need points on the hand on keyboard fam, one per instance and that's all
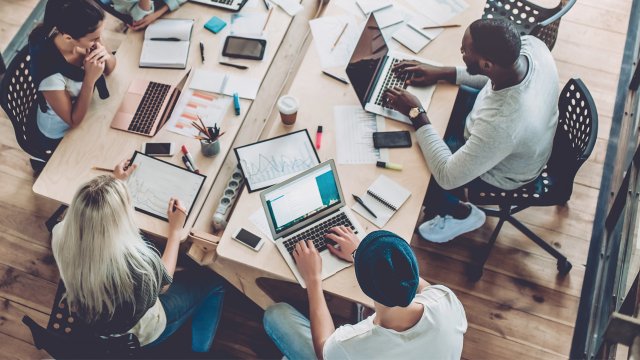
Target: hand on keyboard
(400, 99)
(309, 262)
(345, 242)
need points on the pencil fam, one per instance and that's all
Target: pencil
(206, 132)
(339, 36)
(195, 125)
(102, 169)
(268, 17)
(175, 207)
(440, 26)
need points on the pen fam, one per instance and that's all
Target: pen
(166, 39)
(359, 201)
(202, 51)
(339, 36)
(440, 26)
(267, 21)
(187, 164)
(241, 67)
(344, 81)
(102, 169)
(266, 4)
(318, 137)
(176, 207)
(236, 103)
(389, 165)
(187, 154)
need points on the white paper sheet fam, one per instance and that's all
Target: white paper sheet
(369, 6)
(325, 33)
(388, 16)
(439, 10)
(227, 84)
(247, 23)
(193, 103)
(291, 7)
(354, 136)
(259, 219)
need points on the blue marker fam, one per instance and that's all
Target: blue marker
(236, 102)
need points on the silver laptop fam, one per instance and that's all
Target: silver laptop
(233, 5)
(305, 207)
(369, 71)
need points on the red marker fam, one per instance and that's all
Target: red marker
(190, 158)
(318, 137)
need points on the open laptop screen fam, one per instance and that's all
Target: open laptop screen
(366, 59)
(302, 198)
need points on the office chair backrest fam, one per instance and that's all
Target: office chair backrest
(576, 134)
(529, 18)
(18, 98)
(66, 337)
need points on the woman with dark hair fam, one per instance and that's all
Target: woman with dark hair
(68, 60)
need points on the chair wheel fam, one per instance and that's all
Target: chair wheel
(474, 272)
(564, 266)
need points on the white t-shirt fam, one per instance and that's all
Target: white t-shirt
(438, 334)
(52, 125)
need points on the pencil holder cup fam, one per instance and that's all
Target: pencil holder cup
(210, 148)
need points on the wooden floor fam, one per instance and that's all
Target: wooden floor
(519, 309)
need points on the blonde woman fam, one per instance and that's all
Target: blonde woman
(116, 283)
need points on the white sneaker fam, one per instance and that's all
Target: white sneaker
(442, 229)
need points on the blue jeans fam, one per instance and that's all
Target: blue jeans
(195, 293)
(444, 202)
(290, 331)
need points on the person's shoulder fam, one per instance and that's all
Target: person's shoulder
(435, 294)
(533, 45)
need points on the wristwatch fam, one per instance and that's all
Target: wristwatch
(415, 112)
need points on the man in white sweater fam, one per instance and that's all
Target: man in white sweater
(504, 139)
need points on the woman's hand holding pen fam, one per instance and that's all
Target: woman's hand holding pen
(123, 170)
(177, 214)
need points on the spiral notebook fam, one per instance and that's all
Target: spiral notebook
(384, 197)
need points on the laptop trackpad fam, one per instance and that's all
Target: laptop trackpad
(130, 103)
(331, 264)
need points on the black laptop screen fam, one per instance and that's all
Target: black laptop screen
(366, 58)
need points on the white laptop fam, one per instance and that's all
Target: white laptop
(233, 5)
(369, 71)
(305, 207)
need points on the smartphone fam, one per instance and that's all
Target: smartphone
(248, 239)
(158, 149)
(244, 48)
(391, 139)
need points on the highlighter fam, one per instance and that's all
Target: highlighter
(236, 103)
(389, 165)
(318, 137)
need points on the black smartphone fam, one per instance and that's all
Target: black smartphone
(244, 48)
(391, 139)
(249, 239)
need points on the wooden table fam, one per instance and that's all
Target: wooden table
(318, 94)
(94, 143)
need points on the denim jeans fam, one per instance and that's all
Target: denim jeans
(290, 331)
(444, 202)
(195, 293)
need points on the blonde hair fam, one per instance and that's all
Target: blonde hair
(99, 249)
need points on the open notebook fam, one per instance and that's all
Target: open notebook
(384, 197)
(166, 44)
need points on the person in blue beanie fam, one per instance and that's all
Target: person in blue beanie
(412, 318)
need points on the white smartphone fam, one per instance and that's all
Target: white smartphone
(158, 149)
(248, 239)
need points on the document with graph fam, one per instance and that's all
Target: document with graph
(274, 160)
(155, 182)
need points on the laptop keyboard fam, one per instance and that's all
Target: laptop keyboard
(149, 108)
(392, 80)
(224, 2)
(317, 233)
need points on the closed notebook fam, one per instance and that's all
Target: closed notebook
(384, 197)
(166, 44)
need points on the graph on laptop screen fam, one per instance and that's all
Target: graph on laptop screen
(303, 198)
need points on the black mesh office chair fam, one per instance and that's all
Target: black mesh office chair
(67, 338)
(18, 96)
(573, 142)
(529, 18)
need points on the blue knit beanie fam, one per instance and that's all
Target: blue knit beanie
(387, 269)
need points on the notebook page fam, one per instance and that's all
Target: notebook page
(169, 28)
(383, 213)
(164, 53)
(389, 191)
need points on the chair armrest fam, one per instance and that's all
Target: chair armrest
(559, 14)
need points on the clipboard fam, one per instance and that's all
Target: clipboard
(271, 161)
(154, 182)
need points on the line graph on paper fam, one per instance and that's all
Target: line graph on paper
(154, 182)
(270, 162)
